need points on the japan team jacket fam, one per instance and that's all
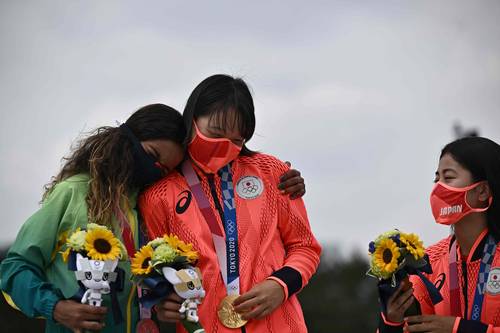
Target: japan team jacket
(274, 237)
(468, 272)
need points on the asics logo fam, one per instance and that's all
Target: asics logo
(184, 202)
(440, 281)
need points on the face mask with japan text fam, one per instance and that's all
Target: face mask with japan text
(449, 204)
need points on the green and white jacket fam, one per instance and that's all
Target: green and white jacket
(34, 277)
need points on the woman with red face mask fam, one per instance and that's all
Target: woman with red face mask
(466, 265)
(256, 247)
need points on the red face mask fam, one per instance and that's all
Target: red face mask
(449, 204)
(212, 154)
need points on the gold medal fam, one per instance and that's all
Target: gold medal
(227, 315)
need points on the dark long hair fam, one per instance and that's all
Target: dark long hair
(106, 155)
(481, 157)
(216, 96)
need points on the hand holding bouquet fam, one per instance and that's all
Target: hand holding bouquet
(394, 256)
(164, 265)
(93, 255)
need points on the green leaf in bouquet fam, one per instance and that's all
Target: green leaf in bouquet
(372, 274)
(393, 281)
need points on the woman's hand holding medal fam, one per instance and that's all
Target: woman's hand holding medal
(260, 301)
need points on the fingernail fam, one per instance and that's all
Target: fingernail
(282, 192)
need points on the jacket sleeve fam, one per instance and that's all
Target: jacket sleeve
(155, 214)
(22, 271)
(385, 326)
(302, 249)
(471, 326)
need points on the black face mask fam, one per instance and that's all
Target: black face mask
(145, 170)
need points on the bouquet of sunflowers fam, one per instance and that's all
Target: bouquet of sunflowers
(93, 255)
(165, 265)
(394, 256)
(393, 251)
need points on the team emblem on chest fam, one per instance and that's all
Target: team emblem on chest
(493, 284)
(249, 187)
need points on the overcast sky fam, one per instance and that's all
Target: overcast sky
(359, 95)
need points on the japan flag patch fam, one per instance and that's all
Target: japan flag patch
(249, 187)
(493, 284)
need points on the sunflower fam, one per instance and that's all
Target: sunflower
(65, 254)
(60, 243)
(188, 252)
(141, 263)
(184, 249)
(173, 241)
(413, 244)
(385, 258)
(101, 244)
(192, 256)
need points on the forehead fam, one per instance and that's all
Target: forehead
(447, 162)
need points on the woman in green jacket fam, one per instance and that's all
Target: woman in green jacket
(98, 183)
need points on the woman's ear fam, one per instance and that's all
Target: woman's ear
(484, 191)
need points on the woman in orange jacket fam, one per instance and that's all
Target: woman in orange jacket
(256, 246)
(466, 265)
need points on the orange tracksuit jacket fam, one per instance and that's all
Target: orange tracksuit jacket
(274, 239)
(468, 271)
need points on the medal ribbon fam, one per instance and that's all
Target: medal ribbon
(231, 229)
(484, 271)
(225, 247)
(454, 285)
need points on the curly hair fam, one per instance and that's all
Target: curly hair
(106, 155)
